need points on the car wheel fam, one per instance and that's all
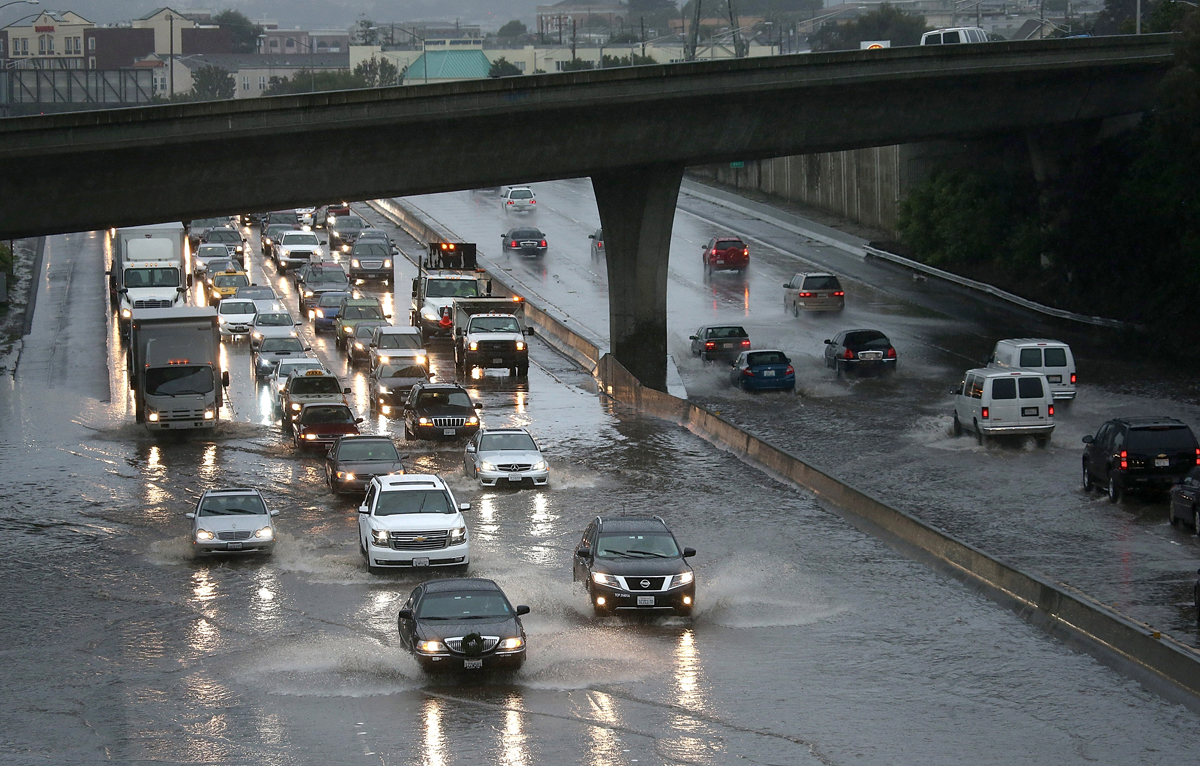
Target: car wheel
(1088, 485)
(523, 370)
(1114, 490)
(408, 436)
(957, 426)
(1196, 520)
(840, 369)
(978, 434)
(1042, 441)
(795, 310)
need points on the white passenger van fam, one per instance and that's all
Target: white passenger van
(954, 35)
(1052, 358)
(1002, 402)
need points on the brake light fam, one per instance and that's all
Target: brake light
(510, 202)
(713, 252)
(848, 355)
(804, 295)
(839, 294)
(1198, 457)
(599, 244)
(1050, 410)
(543, 243)
(516, 244)
(1072, 378)
(985, 413)
(891, 354)
(745, 343)
(1124, 460)
(748, 372)
(746, 252)
(710, 344)
(532, 202)
(790, 370)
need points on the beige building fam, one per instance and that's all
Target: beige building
(53, 40)
(168, 25)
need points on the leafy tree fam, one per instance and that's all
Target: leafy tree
(625, 38)
(377, 73)
(212, 83)
(577, 65)
(514, 28)
(1167, 16)
(244, 31)
(886, 23)
(365, 33)
(637, 60)
(502, 67)
(304, 81)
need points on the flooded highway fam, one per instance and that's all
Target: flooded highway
(811, 643)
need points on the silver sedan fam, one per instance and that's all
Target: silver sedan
(505, 457)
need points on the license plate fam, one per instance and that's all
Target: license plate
(421, 562)
(498, 360)
(1029, 411)
(472, 664)
(720, 263)
(768, 373)
(514, 477)
(1162, 462)
(448, 431)
(1055, 378)
(726, 345)
(645, 600)
(235, 546)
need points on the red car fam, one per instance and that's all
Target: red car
(725, 253)
(323, 423)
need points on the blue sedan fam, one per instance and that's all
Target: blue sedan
(325, 313)
(763, 370)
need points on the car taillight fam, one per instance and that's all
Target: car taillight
(543, 243)
(713, 252)
(745, 343)
(804, 295)
(891, 354)
(985, 413)
(746, 252)
(1198, 457)
(1124, 460)
(790, 370)
(532, 202)
(599, 245)
(748, 372)
(839, 294)
(848, 355)
(516, 244)
(510, 202)
(1072, 379)
(1050, 410)
(710, 344)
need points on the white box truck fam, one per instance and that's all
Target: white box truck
(148, 268)
(175, 367)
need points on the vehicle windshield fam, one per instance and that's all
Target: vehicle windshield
(287, 368)
(494, 324)
(443, 398)
(256, 293)
(222, 264)
(236, 307)
(400, 340)
(368, 449)
(370, 249)
(1161, 439)
(206, 223)
(306, 386)
(348, 222)
(300, 239)
(233, 505)
(152, 277)
(766, 357)
(283, 218)
(326, 277)
(637, 545)
(331, 300)
(326, 414)
(726, 332)
(212, 251)
(216, 235)
(273, 320)
(373, 234)
(871, 339)
(281, 344)
(276, 230)
(364, 330)
(452, 288)
(520, 194)
(230, 280)
(821, 283)
(470, 605)
(496, 442)
(396, 371)
(362, 312)
(179, 379)
(400, 502)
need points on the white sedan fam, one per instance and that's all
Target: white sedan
(505, 456)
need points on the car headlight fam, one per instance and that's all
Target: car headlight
(266, 240)
(457, 535)
(295, 406)
(421, 359)
(520, 345)
(601, 578)
(472, 420)
(310, 437)
(380, 536)
(423, 421)
(320, 314)
(358, 345)
(474, 346)
(511, 644)
(209, 414)
(266, 533)
(258, 335)
(308, 293)
(385, 390)
(387, 410)
(345, 476)
(387, 264)
(238, 248)
(384, 358)
(152, 417)
(431, 647)
(204, 535)
(126, 313)
(539, 465)
(216, 293)
(345, 248)
(486, 466)
(347, 329)
(682, 579)
(430, 315)
(354, 263)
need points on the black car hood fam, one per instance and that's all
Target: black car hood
(442, 629)
(648, 566)
(372, 467)
(445, 411)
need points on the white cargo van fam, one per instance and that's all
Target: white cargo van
(954, 36)
(1052, 358)
(1004, 402)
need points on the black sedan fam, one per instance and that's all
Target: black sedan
(719, 342)
(353, 461)
(390, 384)
(437, 410)
(462, 624)
(524, 241)
(358, 346)
(860, 351)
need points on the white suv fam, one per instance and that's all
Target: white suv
(412, 521)
(519, 199)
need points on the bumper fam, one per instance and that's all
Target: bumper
(769, 384)
(380, 273)
(527, 250)
(181, 425)
(505, 479)
(439, 432)
(868, 365)
(821, 305)
(231, 330)
(497, 359)
(325, 325)
(245, 546)
(1162, 482)
(729, 263)
(1039, 429)
(1062, 394)
(682, 599)
(450, 556)
(453, 663)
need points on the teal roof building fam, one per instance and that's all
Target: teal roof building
(446, 66)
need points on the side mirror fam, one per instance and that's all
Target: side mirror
(464, 506)
(357, 421)
(479, 405)
(405, 614)
(363, 509)
(190, 515)
(689, 552)
(181, 288)
(591, 236)
(346, 390)
(522, 610)
(225, 378)
(387, 316)
(274, 513)
(693, 337)
(306, 348)
(470, 447)
(828, 341)
(1088, 439)
(785, 284)
(583, 552)
(503, 236)
(189, 280)
(955, 392)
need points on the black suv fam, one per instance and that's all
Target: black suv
(316, 279)
(1138, 453)
(634, 564)
(440, 410)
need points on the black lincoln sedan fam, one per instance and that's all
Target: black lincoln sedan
(437, 410)
(860, 351)
(462, 624)
(352, 461)
(633, 564)
(524, 241)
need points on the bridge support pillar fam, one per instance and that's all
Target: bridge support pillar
(637, 210)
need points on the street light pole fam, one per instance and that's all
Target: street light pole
(171, 57)
(19, 2)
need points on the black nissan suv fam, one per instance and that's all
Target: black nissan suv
(1140, 453)
(632, 564)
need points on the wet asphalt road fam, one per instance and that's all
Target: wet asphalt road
(892, 437)
(812, 642)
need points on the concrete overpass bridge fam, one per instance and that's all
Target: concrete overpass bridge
(632, 130)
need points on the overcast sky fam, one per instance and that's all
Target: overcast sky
(308, 13)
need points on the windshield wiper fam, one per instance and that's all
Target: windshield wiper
(484, 617)
(650, 553)
(437, 618)
(622, 554)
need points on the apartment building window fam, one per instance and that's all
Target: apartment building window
(42, 45)
(78, 45)
(25, 46)
(262, 82)
(274, 43)
(91, 62)
(520, 65)
(1, 46)
(91, 43)
(291, 43)
(245, 82)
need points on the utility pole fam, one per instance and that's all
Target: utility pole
(643, 37)
(171, 57)
(572, 38)
(694, 35)
(733, 26)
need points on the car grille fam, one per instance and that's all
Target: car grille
(152, 304)
(181, 414)
(298, 255)
(644, 583)
(371, 264)
(489, 643)
(514, 467)
(449, 422)
(420, 541)
(497, 346)
(233, 535)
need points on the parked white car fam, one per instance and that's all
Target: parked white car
(998, 402)
(412, 521)
(232, 521)
(505, 456)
